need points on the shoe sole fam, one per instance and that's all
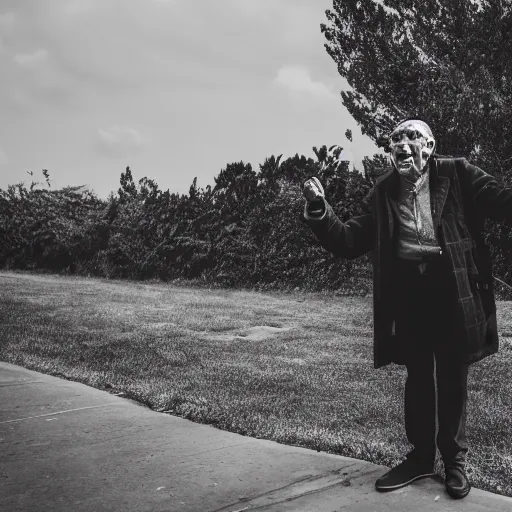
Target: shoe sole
(403, 484)
(455, 495)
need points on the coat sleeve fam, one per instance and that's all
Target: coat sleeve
(349, 239)
(491, 200)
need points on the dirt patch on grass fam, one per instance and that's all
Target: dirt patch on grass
(262, 332)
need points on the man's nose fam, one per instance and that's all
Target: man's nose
(404, 146)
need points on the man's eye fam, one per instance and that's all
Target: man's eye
(412, 134)
(395, 138)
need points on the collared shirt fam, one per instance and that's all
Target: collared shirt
(416, 236)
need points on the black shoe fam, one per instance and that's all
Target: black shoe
(406, 472)
(457, 483)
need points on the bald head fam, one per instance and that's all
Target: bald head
(414, 124)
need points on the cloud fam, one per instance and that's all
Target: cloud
(119, 141)
(298, 80)
(30, 60)
(37, 76)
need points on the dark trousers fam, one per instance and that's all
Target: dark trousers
(425, 323)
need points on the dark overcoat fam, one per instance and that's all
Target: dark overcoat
(462, 196)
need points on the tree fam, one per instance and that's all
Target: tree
(128, 189)
(235, 186)
(53, 229)
(446, 61)
(375, 167)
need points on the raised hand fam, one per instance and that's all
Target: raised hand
(313, 190)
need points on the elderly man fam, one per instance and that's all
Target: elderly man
(433, 296)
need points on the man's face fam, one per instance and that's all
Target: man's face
(411, 147)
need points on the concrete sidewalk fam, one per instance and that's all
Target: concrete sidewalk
(68, 447)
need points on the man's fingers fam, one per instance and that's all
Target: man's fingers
(313, 186)
(318, 184)
(313, 189)
(310, 190)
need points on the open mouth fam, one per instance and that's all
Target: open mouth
(404, 159)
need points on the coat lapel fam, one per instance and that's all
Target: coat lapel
(386, 186)
(439, 182)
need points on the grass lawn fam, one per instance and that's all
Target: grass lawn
(295, 368)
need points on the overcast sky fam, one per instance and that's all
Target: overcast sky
(172, 88)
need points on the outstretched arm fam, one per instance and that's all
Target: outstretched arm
(349, 239)
(490, 198)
